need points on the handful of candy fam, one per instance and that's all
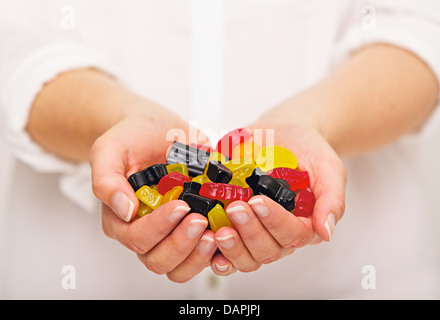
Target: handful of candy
(209, 181)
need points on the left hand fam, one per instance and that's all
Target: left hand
(264, 231)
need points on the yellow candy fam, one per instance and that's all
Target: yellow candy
(143, 209)
(201, 179)
(246, 150)
(218, 218)
(275, 157)
(236, 166)
(217, 156)
(179, 167)
(238, 182)
(149, 196)
(172, 194)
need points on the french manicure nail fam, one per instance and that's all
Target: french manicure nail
(195, 228)
(206, 245)
(259, 207)
(226, 242)
(178, 213)
(330, 225)
(122, 206)
(238, 214)
(221, 268)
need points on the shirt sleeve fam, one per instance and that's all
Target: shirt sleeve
(412, 25)
(31, 55)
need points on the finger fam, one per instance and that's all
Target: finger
(142, 234)
(329, 190)
(222, 266)
(289, 231)
(234, 250)
(260, 243)
(174, 249)
(109, 182)
(198, 260)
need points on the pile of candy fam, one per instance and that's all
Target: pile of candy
(209, 180)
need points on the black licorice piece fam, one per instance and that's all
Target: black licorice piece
(195, 159)
(198, 203)
(190, 187)
(263, 184)
(137, 180)
(217, 172)
(148, 176)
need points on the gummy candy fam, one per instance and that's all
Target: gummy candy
(305, 203)
(171, 180)
(218, 218)
(149, 196)
(272, 157)
(296, 179)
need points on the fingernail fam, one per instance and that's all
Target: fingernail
(122, 206)
(206, 245)
(238, 214)
(259, 207)
(195, 228)
(226, 242)
(222, 268)
(178, 213)
(330, 225)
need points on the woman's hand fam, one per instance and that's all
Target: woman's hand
(167, 241)
(264, 231)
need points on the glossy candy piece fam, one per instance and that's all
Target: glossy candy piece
(144, 209)
(149, 196)
(246, 150)
(201, 179)
(296, 179)
(272, 157)
(198, 203)
(305, 202)
(238, 182)
(171, 180)
(148, 176)
(195, 159)
(190, 187)
(217, 172)
(172, 194)
(262, 183)
(218, 218)
(223, 191)
(217, 156)
(178, 167)
(230, 140)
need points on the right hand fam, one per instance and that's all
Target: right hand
(167, 241)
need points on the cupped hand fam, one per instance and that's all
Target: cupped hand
(168, 240)
(263, 230)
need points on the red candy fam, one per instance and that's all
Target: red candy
(296, 179)
(232, 139)
(223, 191)
(171, 180)
(305, 202)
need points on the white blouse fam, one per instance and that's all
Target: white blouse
(218, 64)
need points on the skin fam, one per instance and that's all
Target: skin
(376, 96)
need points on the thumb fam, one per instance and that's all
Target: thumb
(109, 182)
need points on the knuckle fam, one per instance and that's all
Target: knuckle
(155, 266)
(175, 278)
(250, 268)
(268, 258)
(293, 243)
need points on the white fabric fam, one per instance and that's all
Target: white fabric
(224, 61)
